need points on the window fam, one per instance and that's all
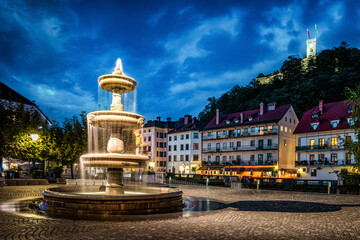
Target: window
(181, 147)
(164, 135)
(209, 146)
(149, 130)
(231, 144)
(252, 143)
(348, 158)
(169, 159)
(299, 141)
(245, 130)
(284, 142)
(334, 157)
(312, 158)
(285, 129)
(196, 135)
(313, 172)
(186, 146)
(149, 139)
(224, 133)
(321, 142)
(285, 119)
(238, 144)
(209, 134)
(290, 120)
(149, 148)
(144, 139)
(281, 128)
(312, 144)
(187, 136)
(209, 158)
(227, 121)
(334, 124)
(161, 135)
(269, 156)
(196, 146)
(170, 139)
(269, 142)
(270, 128)
(334, 141)
(321, 157)
(186, 157)
(236, 120)
(164, 144)
(170, 148)
(157, 134)
(175, 158)
(196, 157)
(250, 119)
(314, 126)
(298, 157)
(315, 115)
(181, 157)
(252, 157)
(175, 138)
(238, 131)
(224, 159)
(351, 121)
(157, 153)
(175, 146)
(140, 132)
(252, 129)
(224, 145)
(182, 137)
(348, 138)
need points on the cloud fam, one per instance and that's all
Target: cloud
(187, 44)
(337, 12)
(154, 20)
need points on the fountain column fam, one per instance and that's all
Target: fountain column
(114, 177)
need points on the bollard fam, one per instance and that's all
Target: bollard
(329, 187)
(207, 183)
(169, 180)
(258, 185)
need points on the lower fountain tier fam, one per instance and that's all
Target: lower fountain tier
(114, 160)
(110, 119)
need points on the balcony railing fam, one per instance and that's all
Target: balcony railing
(242, 148)
(325, 147)
(324, 163)
(241, 162)
(236, 135)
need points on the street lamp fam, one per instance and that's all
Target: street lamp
(34, 137)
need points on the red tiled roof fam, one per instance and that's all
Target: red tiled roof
(267, 117)
(331, 111)
(187, 127)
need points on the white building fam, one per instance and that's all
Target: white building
(184, 147)
(253, 143)
(320, 135)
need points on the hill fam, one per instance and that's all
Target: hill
(304, 83)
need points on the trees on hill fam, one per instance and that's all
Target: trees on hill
(304, 83)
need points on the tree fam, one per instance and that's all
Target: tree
(353, 99)
(73, 142)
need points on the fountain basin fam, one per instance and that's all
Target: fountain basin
(113, 160)
(87, 200)
(117, 83)
(110, 119)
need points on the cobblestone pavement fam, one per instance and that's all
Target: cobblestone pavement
(246, 214)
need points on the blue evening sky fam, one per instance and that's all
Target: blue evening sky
(180, 52)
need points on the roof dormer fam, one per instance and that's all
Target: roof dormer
(314, 125)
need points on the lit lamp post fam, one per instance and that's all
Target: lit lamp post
(34, 138)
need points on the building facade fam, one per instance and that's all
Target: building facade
(184, 147)
(254, 143)
(153, 142)
(320, 136)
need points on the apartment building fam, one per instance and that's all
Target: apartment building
(253, 143)
(320, 136)
(184, 147)
(153, 142)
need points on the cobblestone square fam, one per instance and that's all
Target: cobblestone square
(244, 214)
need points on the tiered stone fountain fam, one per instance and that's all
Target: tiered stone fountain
(117, 198)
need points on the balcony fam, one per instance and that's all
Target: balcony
(326, 147)
(242, 148)
(324, 163)
(236, 135)
(242, 162)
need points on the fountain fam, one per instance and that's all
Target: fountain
(117, 197)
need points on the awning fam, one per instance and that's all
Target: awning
(248, 168)
(205, 168)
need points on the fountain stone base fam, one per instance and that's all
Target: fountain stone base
(114, 184)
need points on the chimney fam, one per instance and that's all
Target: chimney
(158, 119)
(217, 116)
(261, 108)
(193, 120)
(168, 119)
(241, 118)
(187, 119)
(321, 106)
(181, 120)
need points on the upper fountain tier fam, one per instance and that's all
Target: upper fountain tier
(117, 82)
